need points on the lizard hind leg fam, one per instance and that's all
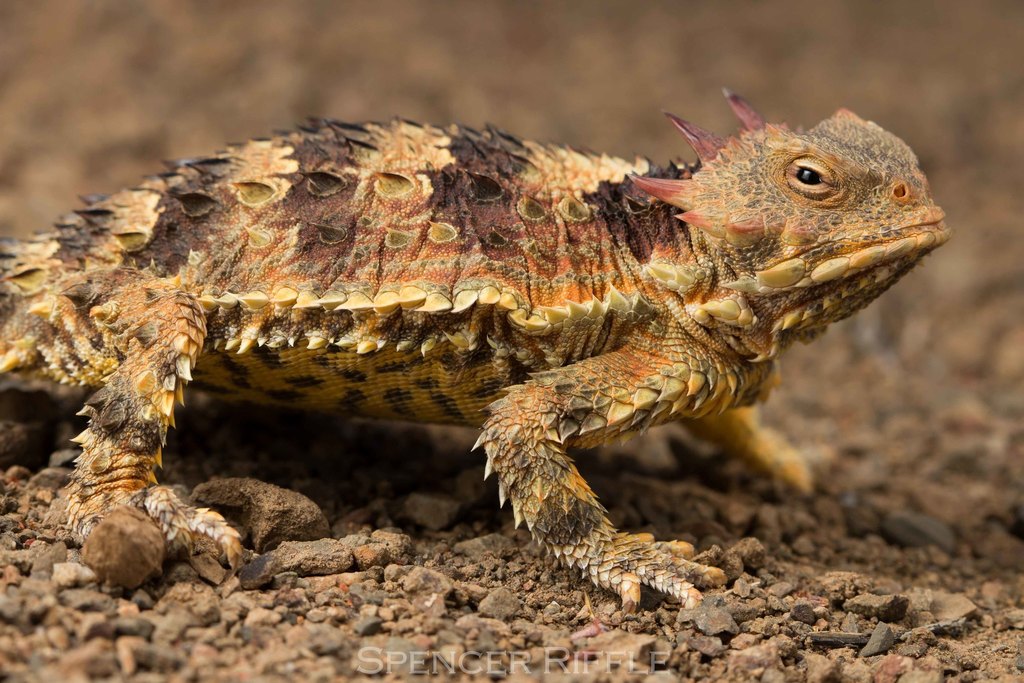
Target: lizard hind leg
(739, 433)
(159, 332)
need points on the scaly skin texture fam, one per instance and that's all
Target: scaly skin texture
(550, 297)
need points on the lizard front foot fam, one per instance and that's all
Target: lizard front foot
(626, 561)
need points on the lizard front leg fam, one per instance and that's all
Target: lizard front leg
(585, 404)
(159, 332)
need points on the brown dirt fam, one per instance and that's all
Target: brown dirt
(917, 401)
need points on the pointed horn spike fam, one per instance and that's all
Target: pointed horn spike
(674, 192)
(744, 111)
(705, 143)
(705, 223)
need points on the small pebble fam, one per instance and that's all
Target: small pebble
(881, 640)
(368, 626)
(316, 558)
(125, 549)
(754, 660)
(751, 552)
(882, 607)
(422, 580)
(712, 620)
(916, 530)
(850, 623)
(384, 548)
(709, 646)
(72, 575)
(803, 611)
(432, 511)
(500, 603)
(951, 606)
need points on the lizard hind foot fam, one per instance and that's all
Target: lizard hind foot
(183, 524)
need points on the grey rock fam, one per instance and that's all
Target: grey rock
(950, 606)
(500, 603)
(916, 530)
(850, 623)
(712, 620)
(432, 511)
(133, 626)
(64, 458)
(368, 626)
(49, 556)
(323, 640)
(52, 478)
(87, 600)
(491, 544)
(781, 589)
(306, 558)
(944, 606)
(881, 640)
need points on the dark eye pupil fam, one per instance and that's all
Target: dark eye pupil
(807, 176)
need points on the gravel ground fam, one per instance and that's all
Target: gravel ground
(378, 547)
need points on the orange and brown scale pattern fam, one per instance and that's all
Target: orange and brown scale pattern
(546, 295)
(390, 241)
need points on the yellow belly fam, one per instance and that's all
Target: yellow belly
(441, 388)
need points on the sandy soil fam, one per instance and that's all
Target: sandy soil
(914, 537)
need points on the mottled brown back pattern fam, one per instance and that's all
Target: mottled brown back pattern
(550, 297)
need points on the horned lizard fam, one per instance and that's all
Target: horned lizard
(553, 298)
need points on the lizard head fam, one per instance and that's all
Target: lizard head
(799, 228)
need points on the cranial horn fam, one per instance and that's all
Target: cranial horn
(747, 115)
(705, 143)
(674, 192)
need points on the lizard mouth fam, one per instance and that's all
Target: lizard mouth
(848, 259)
(842, 284)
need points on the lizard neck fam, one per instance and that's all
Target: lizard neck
(682, 272)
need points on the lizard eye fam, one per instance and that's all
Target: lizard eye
(811, 179)
(808, 176)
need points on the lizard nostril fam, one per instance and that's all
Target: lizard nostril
(900, 192)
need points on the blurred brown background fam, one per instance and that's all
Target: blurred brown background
(93, 95)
